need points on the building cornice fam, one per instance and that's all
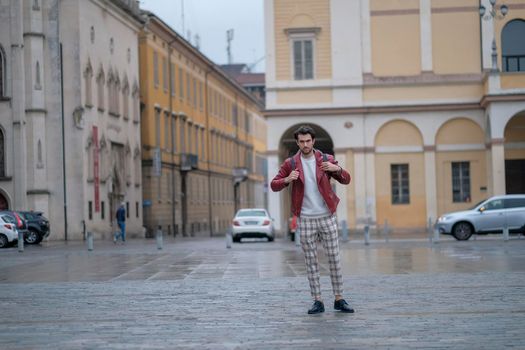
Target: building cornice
(36, 110)
(487, 99)
(370, 109)
(425, 78)
(34, 34)
(38, 191)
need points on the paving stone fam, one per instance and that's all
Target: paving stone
(196, 294)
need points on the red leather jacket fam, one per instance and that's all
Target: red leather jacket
(323, 181)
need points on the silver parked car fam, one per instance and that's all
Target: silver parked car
(252, 223)
(488, 216)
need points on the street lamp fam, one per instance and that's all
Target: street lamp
(493, 14)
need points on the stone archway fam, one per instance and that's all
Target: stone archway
(287, 148)
(117, 190)
(4, 204)
(514, 136)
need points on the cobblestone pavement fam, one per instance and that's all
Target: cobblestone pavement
(196, 294)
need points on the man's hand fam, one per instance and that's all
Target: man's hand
(330, 167)
(294, 175)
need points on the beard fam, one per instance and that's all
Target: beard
(306, 150)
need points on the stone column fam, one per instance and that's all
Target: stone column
(425, 19)
(370, 183)
(498, 167)
(18, 103)
(430, 181)
(341, 190)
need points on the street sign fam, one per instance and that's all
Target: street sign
(157, 164)
(146, 203)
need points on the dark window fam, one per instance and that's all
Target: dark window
(303, 59)
(400, 183)
(90, 210)
(137, 209)
(2, 72)
(156, 69)
(494, 204)
(127, 210)
(515, 203)
(2, 154)
(513, 46)
(102, 210)
(460, 182)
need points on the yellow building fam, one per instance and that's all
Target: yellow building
(408, 95)
(201, 132)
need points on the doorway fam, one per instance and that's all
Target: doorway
(515, 176)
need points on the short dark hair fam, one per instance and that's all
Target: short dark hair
(304, 130)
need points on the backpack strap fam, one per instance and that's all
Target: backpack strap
(292, 160)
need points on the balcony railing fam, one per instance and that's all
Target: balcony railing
(514, 63)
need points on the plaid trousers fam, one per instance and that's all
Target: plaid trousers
(325, 230)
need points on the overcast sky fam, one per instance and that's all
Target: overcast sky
(210, 19)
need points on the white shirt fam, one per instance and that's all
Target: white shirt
(313, 203)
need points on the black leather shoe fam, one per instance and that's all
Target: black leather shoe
(317, 308)
(343, 306)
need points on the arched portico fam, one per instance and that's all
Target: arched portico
(4, 202)
(506, 142)
(279, 203)
(514, 151)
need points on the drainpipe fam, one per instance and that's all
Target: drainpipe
(63, 140)
(208, 144)
(170, 89)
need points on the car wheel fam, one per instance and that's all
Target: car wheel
(270, 239)
(236, 240)
(462, 231)
(32, 237)
(3, 241)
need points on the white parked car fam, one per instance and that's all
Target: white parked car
(489, 216)
(8, 231)
(252, 223)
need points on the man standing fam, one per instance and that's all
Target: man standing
(121, 222)
(315, 203)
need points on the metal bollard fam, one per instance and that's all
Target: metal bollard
(436, 236)
(297, 236)
(90, 240)
(430, 231)
(367, 235)
(158, 237)
(344, 231)
(229, 239)
(505, 233)
(386, 231)
(20, 241)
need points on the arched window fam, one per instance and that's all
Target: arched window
(88, 75)
(116, 96)
(38, 83)
(513, 46)
(125, 98)
(40, 161)
(2, 154)
(2, 72)
(100, 88)
(110, 83)
(136, 102)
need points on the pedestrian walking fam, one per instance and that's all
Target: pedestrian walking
(314, 203)
(121, 222)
